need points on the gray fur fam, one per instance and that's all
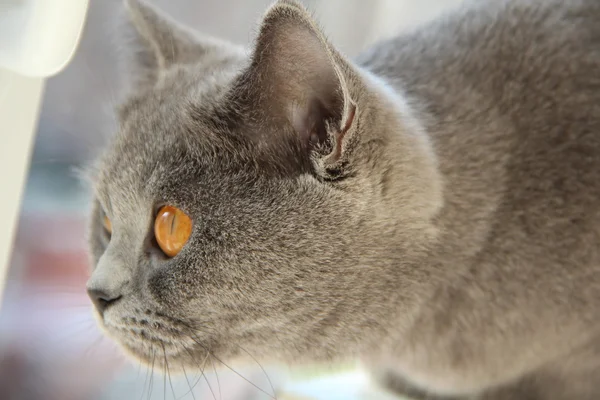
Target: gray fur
(432, 208)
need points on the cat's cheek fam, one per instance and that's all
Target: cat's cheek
(168, 288)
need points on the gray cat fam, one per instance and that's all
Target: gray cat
(432, 208)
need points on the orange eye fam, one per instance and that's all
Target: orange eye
(107, 224)
(172, 229)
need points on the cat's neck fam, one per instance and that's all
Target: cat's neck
(465, 159)
(407, 154)
(452, 196)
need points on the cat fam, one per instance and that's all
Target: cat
(431, 208)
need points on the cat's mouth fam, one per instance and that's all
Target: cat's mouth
(155, 340)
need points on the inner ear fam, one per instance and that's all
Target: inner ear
(297, 75)
(313, 120)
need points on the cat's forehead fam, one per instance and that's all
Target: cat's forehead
(153, 146)
(173, 100)
(165, 140)
(179, 111)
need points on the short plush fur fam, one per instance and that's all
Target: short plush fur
(432, 209)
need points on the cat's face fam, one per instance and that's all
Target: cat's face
(273, 159)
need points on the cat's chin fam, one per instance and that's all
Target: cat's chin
(157, 348)
(163, 356)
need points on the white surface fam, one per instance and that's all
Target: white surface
(354, 385)
(38, 37)
(19, 104)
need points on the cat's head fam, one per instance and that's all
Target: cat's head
(309, 185)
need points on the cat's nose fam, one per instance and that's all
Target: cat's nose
(102, 300)
(108, 281)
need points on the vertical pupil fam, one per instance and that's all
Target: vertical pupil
(172, 229)
(173, 223)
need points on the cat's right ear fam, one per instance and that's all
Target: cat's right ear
(296, 79)
(156, 43)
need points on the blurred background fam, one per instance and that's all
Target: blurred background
(50, 347)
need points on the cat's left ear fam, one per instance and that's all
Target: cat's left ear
(298, 77)
(157, 43)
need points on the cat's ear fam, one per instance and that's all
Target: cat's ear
(297, 76)
(156, 42)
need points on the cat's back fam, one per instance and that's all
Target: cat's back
(529, 64)
(510, 94)
(495, 48)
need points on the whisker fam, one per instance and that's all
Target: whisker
(233, 370)
(201, 370)
(151, 385)
(70, 307)
(188, 382)
(92, 346)
(139, 370)
(75, 327)
(56, 289)
(72, 333)
(168, 372)
(203, 367)
(261, 367)
(145, 381)
(217, 376)
(204, 374)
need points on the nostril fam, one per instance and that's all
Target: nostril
(104, 303)
(101, 299)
